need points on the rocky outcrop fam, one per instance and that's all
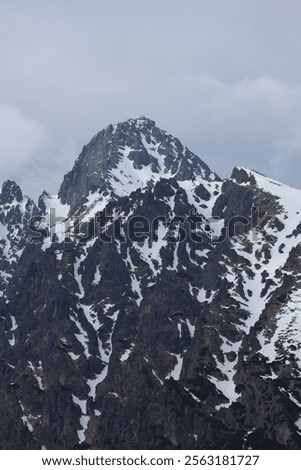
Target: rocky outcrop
(151, 305)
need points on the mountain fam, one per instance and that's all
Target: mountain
(125, 157)
(150, 304)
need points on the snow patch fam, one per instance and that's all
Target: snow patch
(176, 372)
(127, 353)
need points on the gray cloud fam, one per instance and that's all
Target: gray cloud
(222, 76)
(20, 136)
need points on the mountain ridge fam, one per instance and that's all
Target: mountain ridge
(160, 304)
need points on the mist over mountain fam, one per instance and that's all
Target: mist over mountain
(150, 304)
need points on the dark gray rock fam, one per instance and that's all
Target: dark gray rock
(111, 342)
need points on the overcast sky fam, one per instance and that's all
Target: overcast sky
(224, 76)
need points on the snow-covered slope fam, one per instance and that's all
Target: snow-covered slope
(185, 336)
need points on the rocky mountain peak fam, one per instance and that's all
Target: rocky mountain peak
(182, 335)
(127, 156)
(10, 192)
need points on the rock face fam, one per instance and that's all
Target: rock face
(150, 305)
(133, 154)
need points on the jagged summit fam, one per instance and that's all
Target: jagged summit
(127, 156)
(10, 192)
(183, 336)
